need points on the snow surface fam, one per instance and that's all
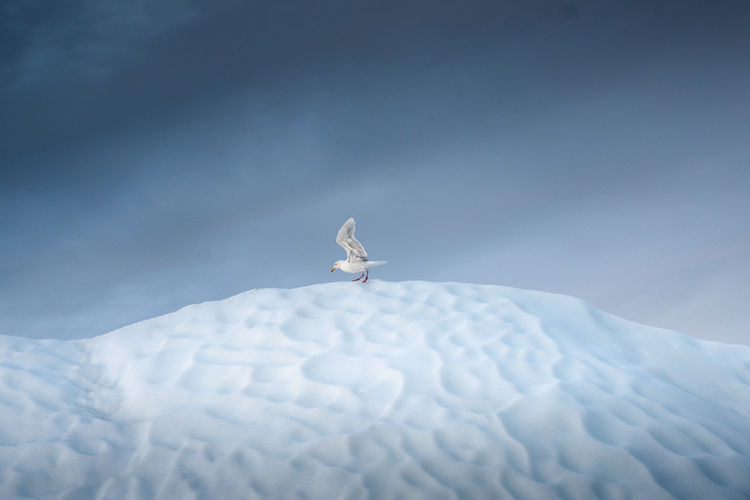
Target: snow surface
(388, 390)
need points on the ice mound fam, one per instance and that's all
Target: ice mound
(389, 390)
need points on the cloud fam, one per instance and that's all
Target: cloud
(59, 42)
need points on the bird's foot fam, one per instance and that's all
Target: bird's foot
(360, 277)
(366, 276)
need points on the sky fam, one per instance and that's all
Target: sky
(154, 155)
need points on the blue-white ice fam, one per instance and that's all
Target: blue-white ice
(387, 390)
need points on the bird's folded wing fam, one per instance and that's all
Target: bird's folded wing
(346, 239)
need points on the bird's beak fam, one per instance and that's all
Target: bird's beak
(333, 269)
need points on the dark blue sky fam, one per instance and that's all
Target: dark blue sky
(156, 154)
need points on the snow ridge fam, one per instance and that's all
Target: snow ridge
(389, 390)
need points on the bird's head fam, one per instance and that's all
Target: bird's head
(337, 265)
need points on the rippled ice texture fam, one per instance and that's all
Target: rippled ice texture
(384, 390)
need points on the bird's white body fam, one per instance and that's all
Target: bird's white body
(356, 256)
(358, 266)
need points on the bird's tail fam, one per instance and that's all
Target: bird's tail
(375, 263)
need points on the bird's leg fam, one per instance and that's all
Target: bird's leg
(360, 277)
(366, 276)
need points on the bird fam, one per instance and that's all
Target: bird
(356, 256)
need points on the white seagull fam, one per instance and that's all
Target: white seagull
(356, 257)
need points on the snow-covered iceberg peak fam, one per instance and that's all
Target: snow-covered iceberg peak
(388, 390)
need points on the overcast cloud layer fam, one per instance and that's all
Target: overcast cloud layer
(154, 156)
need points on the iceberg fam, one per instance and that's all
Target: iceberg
(388, 390)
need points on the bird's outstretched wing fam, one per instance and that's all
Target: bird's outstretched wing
(354, 250)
